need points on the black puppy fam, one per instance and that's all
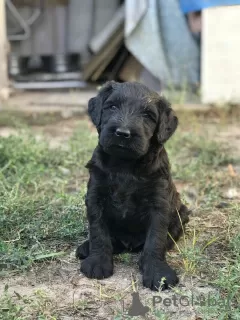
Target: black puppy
(132, 203)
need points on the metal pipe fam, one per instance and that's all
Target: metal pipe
(21, 21)
(25, 25)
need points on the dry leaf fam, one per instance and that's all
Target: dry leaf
(231, 171)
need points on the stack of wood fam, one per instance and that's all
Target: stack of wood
(110, 59)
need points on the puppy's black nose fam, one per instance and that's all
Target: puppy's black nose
(124, 133)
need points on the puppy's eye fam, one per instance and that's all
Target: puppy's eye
(111, 107)
(150, 116)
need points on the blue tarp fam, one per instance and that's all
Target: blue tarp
(195, 5)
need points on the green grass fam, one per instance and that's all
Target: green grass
(203, 163)
(42, 210)
(37, 213)
(18, 119)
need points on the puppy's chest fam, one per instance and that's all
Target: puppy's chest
(126, 197)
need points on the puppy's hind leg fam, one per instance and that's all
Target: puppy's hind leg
(177, 225)
(118, 246)
(82, 251)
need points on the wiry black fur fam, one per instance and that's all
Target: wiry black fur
(132, 203)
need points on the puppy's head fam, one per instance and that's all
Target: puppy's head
(129, 118)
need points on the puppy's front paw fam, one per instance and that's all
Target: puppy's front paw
(97, 267)
(157, 274)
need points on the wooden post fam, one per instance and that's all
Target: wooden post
(3, 52)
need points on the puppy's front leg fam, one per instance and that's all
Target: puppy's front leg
(99, 263)
(156, 271)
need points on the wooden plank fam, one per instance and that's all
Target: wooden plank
(119, 63)
(103, 55)
(3, 53)
(102, 38)
(105, 63)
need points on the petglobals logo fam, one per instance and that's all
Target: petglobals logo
(202, 300)
(137, 308)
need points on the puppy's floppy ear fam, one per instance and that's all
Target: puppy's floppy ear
(168, 121)
(95, 104)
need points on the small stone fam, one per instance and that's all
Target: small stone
(67, 114)
(64, 171)
(222, 205)
(231, 193)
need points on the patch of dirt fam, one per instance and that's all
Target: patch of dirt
(77, 297)
(228, 135)
(5, 132)
(56, 134)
